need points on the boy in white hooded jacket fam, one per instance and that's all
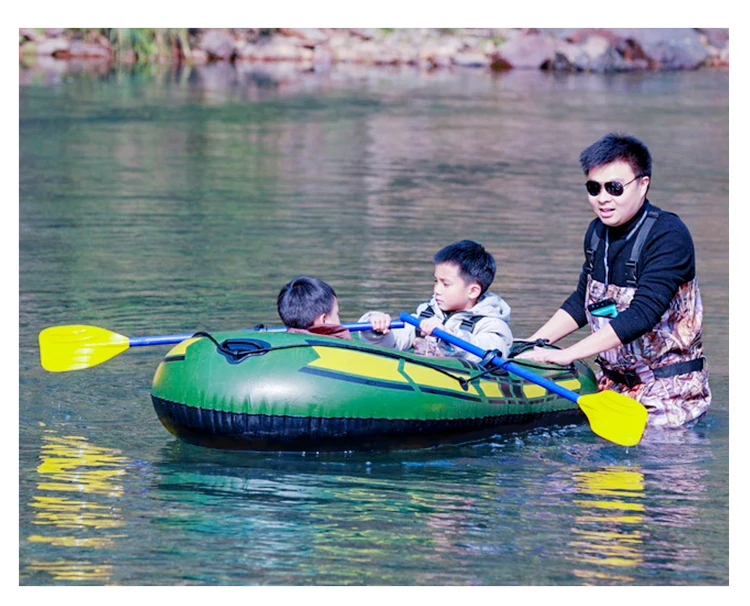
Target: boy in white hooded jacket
(461, 305)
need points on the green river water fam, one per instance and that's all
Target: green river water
(173, 202)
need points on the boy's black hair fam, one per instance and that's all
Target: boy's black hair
(616, 146)
(304, 299)
(474, 263)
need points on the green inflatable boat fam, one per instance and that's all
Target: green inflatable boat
(296, 392)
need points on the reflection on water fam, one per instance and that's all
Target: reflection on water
(73, 570)
(607, 531)
(70, 464)
(629, 519)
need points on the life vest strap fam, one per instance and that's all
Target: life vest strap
(467, 323)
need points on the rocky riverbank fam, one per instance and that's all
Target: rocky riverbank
(308, 49)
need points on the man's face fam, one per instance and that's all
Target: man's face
(617, 210)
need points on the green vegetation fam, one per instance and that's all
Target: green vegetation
(141, 44)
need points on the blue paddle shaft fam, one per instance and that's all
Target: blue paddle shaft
(497, 360)
(169, 339)
(161, 340)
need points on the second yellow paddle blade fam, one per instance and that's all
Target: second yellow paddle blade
(615, 417)
(74, 347)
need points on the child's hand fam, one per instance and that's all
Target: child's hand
(430, 324)
(381, 323)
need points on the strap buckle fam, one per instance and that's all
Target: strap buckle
(629, 378)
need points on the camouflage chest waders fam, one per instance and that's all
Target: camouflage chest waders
(664, 369)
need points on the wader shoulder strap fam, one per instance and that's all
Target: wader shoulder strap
(631, 266)
(592, 248)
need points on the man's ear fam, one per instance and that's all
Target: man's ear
(319, 320)
(474, 290)
(645, 182)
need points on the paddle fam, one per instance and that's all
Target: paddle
(613, 416)
(78, 346)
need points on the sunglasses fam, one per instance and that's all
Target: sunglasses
(614, 188)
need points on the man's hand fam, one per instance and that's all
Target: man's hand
(540, 354)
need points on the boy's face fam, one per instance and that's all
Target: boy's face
(451, 292)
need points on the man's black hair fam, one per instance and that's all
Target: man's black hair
(474, 263)
(304, 299)
(616, 146)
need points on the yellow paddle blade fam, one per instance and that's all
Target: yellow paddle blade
(614, 416)
(64, 348)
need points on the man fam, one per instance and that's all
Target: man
(638, 291)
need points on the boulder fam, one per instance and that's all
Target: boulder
(277, 49)
(79, 48)
(308, 36)
(578, 35)
(52, 46)
(593, 53)
(219, 44)
(531, 51)
(435, 54)
(471, 60)
(717, 37)
(666, 48)
(364, 33)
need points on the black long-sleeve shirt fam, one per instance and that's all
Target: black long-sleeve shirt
(667, 261)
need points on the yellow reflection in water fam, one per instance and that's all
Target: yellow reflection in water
(70, 464)
(606, 532)
(74, 571)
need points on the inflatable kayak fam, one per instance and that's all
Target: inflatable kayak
(283, 391)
